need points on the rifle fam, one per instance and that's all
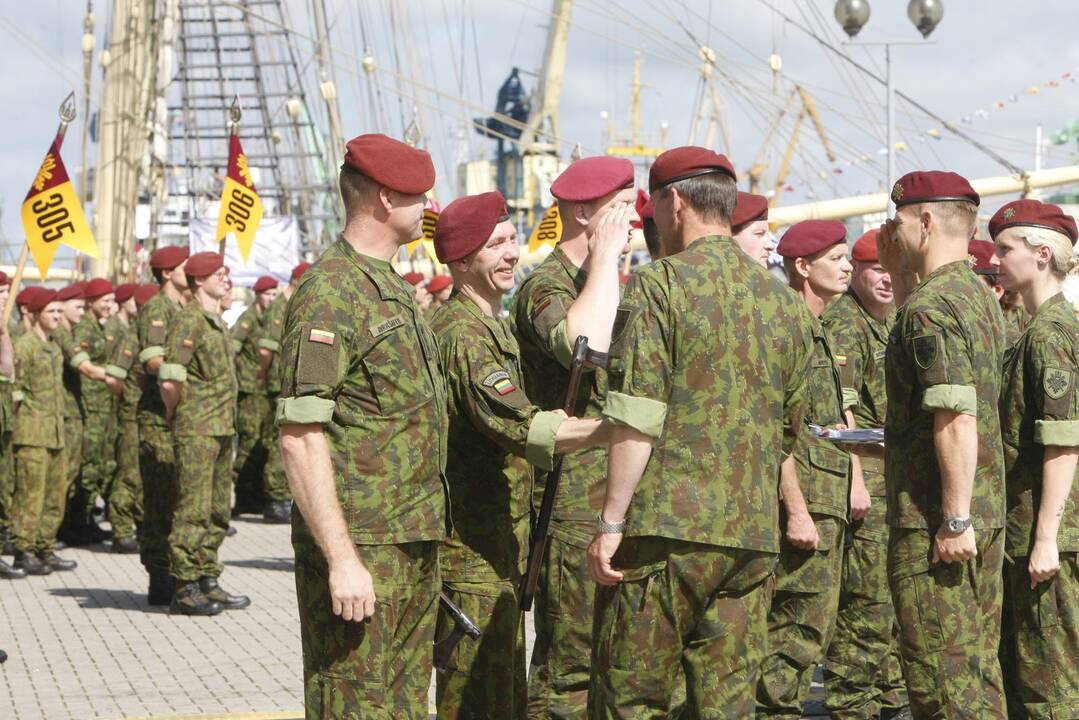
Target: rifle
(542, 529)
(462, 625)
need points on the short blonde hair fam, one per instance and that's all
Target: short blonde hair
(1065, 261)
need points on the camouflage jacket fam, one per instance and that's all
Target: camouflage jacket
(153, 328)
(122, 365)
(494, 433)
(39, 414)
(710, 357)
(359, 358)
(944, 353)
(1016, 319)
(7, 407)
(91, 337)
(1039, 406)
(539, 323)
(269, 338)
(246, 332)
(74, 356)
(199, 355)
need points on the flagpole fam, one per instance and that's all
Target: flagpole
(234, 129)
(67, 116)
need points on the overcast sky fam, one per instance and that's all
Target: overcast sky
(982, 53)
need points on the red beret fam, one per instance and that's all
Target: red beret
(466, 223)
(809, 236)
(932, 186)
(27, 294)
(125, 292)
(391, 163)
(865, 247)
(166, 258)
(982, 251)
(1032, 213)
(144, 293)
(686, 162)
(749, 208)
(4, 279)
(75, 291)
(264, 283)
(299, 270)
(98, 287)
(439, 283)
(40, 299)
(413, 278)
(592, 178)
(204, 263)
(645, 209)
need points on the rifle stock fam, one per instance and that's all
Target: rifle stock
(462, 625)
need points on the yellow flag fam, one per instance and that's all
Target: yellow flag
(547, 232)
(241, 206)
(430, 219)
(52, 214)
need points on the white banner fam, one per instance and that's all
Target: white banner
(276, 250)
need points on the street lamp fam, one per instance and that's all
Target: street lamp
(852, 15)
(925, 15)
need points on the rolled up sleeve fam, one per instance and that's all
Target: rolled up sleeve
(304, 410)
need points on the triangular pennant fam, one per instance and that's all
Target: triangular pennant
(241, 206)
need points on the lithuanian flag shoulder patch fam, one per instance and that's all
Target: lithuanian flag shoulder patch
(325, 337)
(500, 382)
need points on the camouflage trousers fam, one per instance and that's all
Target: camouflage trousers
(200, 519)
(688, 621)
(38, 501)
(72, 463)
(558, 678)
(1039, 649)
(98, 461)
(125, 503)
(275, 480)
(157, 468)
(374, 670)
(253, 413)
(949, 625)
(862, 675)
(485, 678)
(7, 479)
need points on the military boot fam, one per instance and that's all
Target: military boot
(278, 512)
(190, 600)
(29, 562)
(5, 540)
(55, 562)
(218, 594)
(161, 587)
(10, 573)
(125, 546)
(3, 657)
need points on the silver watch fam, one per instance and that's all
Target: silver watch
(957, 525)
(615, 528)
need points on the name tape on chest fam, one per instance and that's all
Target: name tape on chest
(323, 337)
(386, 325)
(500, 382)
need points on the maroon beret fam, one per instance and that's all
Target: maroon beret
(1032, 213)
(264, 283)
(439, 283)
(40, 299)
(75, 291)
(466, 224)
(4, 279)
(166, 258)
(299, 270)
(646, 210)
(749, 208)
(592, 178)
(686, 162)
(204, 263)
(144, 293)
(27, 294)
(413, 278)
(125, 292)
(865, 247)
(809, 236)
(982, 251)
(391, 163)
(98, 287)
(932, 186)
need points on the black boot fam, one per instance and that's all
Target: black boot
(5, 540)
(278, 512)
(231, 531)
(218, 594)
(29, 562)
(55, 562)
(9, 573)
(125, 546)
(3, 657)
(189, 600)
(161, 587)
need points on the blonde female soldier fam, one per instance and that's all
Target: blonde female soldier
(1039, 417)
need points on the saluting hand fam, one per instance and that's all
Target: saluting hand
(802, 531)
(613, 232)
(949, 547)
(352, 591)
(1044, 562)
(888, 249)
(600, 552)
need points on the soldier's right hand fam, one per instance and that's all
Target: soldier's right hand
(802, 531)
(612, 234)
(949, 547)
(352, 591)
(889, 251)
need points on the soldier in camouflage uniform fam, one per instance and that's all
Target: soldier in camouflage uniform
(157, 458)
(38, 438)
(684, 550)
(862, 675)
(253, 408)
(1039, 416)
(494, 433)
(198, 385)
(125, 503)
(814, 487)
(574, 291)
(7, 417)
(363, 424)
(943, 466)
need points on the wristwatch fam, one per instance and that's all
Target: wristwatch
(957, 525)
(615, 528)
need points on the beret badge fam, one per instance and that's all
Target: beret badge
(897, 193)
(1009, 213)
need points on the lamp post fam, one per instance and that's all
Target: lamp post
(925, 15)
